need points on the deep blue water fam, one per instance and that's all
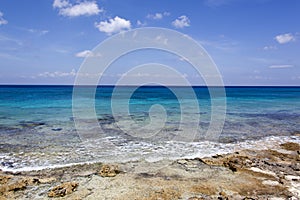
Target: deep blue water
(37, 122)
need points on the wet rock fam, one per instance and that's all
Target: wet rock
(109, 170)
(106, 119)
(63, 189)
(56, 129)
(290, 146)
(31, 124)
(7, 164)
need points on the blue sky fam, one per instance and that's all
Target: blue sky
(252, 42)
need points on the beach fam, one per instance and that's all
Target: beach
(149, 100)
(247, 174)
(51, 148)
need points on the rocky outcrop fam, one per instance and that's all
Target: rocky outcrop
(63, 189)
(248, 174)
(8, 184)
(109, 171)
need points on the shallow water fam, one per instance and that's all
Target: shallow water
(37, 124)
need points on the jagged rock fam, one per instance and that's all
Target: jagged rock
(63, 189)
(290, 146)
(17, 185)
(4, 178)
(109, 170)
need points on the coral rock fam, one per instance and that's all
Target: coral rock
(63, 189)
(109, 170)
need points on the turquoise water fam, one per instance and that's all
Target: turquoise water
(37, 124)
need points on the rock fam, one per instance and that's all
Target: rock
(290, 146)
(271, 183)
(196, 198)
(63, 189)
(292, 178)
(255, 169)
(56, 129)
(223, 196)
(17, 185)
(182, 162)
(47, 180)
(109, 170)
(4, 178)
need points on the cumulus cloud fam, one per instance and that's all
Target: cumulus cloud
(2, 20)
(85, 8)
(280, 66)
(285, 38)
(61, 3)
(114, 25)
(157, 16)
(87, 53)
(57, 74)
(181, 22)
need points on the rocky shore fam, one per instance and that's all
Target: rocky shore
(247, 174)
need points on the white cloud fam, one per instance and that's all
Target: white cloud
(86, 8)
(280, 66)
(87, 53)
(157, 16)
(181, 22)
(114, 25)
(139, 23)
(285, 38)
(2, 20)
(39, 32)
(269, 48)
(61, 3)
(57, 74)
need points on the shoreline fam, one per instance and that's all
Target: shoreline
(215, 148)
(257, 174)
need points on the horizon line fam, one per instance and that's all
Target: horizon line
(150, 85)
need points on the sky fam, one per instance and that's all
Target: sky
(252, 42)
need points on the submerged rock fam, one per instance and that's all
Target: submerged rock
(63, 189)
(31, 124)
(56, 129)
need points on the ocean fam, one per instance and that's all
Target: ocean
(38, 128)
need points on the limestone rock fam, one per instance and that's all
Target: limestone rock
(290, 146)
(63, 189)
(47, 180)
(4, 178)
(17, 185)
(109, 170)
